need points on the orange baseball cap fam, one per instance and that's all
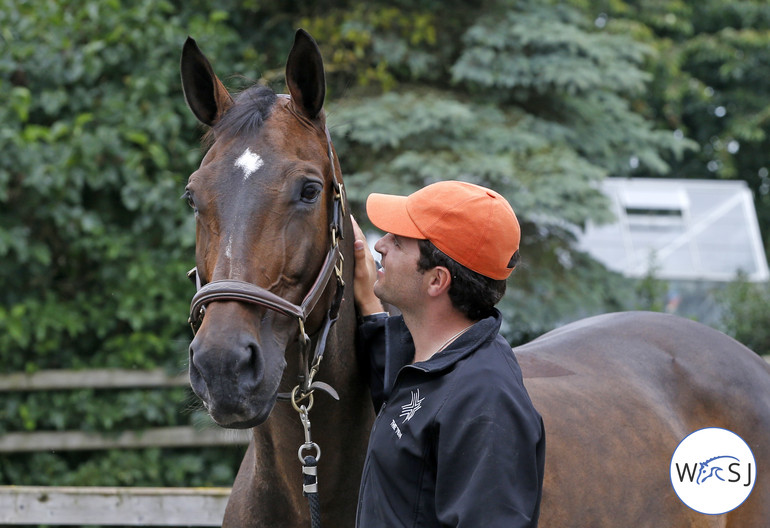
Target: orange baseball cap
(473, 225)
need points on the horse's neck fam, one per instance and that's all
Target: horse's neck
(268, 488)
(331, 421)
(340, 428)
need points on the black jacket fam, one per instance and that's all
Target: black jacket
(457, 441)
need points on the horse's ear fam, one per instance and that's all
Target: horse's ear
(305, 75)
(205, 94)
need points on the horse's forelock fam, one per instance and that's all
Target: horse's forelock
(250, 109)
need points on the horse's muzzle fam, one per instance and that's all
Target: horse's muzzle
(234, 378)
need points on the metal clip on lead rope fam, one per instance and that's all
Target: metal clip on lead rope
(309, 468)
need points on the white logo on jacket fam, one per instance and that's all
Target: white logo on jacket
(394, 426)
(408, 410)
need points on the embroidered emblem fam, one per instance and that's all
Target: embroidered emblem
(408, 410)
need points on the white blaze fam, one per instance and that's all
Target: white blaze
(249, 162)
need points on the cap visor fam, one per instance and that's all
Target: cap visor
(389, 213)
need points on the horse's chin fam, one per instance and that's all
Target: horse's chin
(242, 421)
(244, 407)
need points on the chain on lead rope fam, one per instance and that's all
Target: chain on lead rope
(309, 461)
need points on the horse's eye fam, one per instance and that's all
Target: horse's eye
(311, 191)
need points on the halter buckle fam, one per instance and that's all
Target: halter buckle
(338, 268)
(303, 337)
(339, 194)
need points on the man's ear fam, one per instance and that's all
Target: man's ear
(439, 280)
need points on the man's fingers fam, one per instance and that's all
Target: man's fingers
(365, 274)
(360, 242)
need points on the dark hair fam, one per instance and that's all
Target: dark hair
(250, 109)
(472, 293)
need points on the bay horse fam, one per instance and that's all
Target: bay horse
(617, 392)
(271, 264)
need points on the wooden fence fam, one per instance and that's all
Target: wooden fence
(77, 506)
(110, 506)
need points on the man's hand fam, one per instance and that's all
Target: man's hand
(365, 275)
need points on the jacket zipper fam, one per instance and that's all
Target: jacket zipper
(367, 466)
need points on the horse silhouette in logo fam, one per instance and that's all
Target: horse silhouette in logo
(713, 467)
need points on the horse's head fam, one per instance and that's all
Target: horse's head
(264, 197)
(703, 472)
(713, 467)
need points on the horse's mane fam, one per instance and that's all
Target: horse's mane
(707, 462)
(250, 109)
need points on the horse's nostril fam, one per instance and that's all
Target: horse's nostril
(253, 351)
(227, 370)
(191, 360)
(252, 366)
(197, 381)
(194, 370)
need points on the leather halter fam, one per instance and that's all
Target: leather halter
(246, 292)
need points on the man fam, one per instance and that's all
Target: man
(457, 441)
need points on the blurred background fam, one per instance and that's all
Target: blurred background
(631, 138)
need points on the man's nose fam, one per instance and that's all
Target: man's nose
(380, 245)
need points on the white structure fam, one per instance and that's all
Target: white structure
(691, 230)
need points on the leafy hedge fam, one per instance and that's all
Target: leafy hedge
(94, 244)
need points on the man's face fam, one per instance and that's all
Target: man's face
(399, 282)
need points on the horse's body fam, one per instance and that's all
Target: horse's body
(617, 393)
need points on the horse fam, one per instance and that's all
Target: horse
(617, 392)
(271, 267)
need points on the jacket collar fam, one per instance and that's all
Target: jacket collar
(399, 351)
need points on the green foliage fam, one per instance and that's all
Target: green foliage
(651, 291)
(555, 285)
(88, 228)
(95, 410)
(529, 99)
(374, 45)
(710, 76)
(94, 244)
(540, 50)
(745, 307)
(142, 467)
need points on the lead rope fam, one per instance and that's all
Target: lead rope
(309, 463)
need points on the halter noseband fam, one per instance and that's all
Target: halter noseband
(246, 292)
